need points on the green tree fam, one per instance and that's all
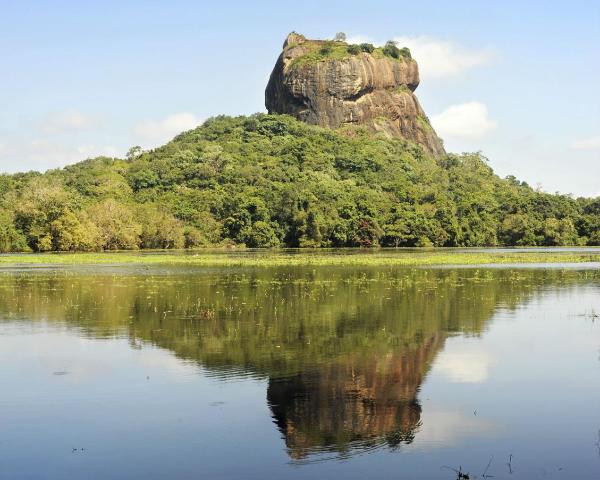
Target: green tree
(38, 205)
(269, 180)
(559, 232)
(367, 47)
(134, 152)
(118, 226)
(160, 229)
(391, 49)
(11, 239)
(68, 232)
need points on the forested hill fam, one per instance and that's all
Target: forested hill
(270, 180)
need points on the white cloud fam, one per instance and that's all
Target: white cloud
(437, 58)
(68, 121)
(466, 120)
(441, 58)
(591, 143)
(42, 154)
(158, 132)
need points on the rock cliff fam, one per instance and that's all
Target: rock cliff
(333, 84)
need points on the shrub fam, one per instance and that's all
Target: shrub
(405, 52)
(194, 238)
(354, 49)
(160, 229)
(326, 49)
(117, 225)
(262, 235)
(11, 240)
(134, 152)
(41, 203)
(391, 49)
(68, 232)
(367, 47)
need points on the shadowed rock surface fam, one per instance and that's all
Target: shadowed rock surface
(353, 403)
(322, 83)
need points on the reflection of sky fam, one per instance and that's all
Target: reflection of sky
(527, 387)
(445, 428)
(82, 359)
(463, 362)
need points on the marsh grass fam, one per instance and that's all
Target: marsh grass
(275, 258)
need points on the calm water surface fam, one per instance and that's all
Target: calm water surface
(189, 373)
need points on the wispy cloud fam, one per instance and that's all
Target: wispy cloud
(69, 121)
(591, 143)
(442, 58)
(465, 120)
(438, 58)
(157, 132)
(42, 154)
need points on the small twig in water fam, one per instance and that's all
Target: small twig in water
(510, 470)
(460, 475)
(592, 316)
(484, 474)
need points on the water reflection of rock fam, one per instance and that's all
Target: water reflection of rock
(344, 351)
(352, 404)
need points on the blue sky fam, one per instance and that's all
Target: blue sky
(518, 81)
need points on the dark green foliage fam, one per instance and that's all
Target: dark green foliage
(354, 49)
(326, 49)
(405, 52)
(269, 180)
(391, 50)
(588, 224)
(367, 47)
(11, 239)
(161, 229)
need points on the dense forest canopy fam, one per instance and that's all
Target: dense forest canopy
(270, 181)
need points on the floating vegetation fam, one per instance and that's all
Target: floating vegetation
(276, 258)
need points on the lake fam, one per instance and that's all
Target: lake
(304, 372)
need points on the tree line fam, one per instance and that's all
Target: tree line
(271, 181)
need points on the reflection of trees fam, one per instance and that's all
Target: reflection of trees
(345, 350)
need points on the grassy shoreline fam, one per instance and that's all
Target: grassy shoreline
(279, 258)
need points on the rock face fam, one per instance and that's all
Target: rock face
(323, 83)
(354, 402)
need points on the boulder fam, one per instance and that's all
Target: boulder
(331, 84)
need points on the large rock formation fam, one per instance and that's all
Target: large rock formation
(353, 403)
(332, 84)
